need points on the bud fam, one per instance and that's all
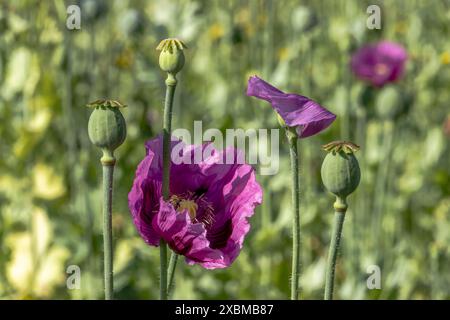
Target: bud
(388, 102)
(107, 128)
(304, 19)
(171, 58)
(340, 169)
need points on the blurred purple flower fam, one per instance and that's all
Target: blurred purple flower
(306, 115)
(205, 218)
(379, 63)
(447, 126)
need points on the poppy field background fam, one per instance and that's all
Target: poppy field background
(50, 186)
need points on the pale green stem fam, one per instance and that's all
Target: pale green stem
(383, 174)
(340, 207)
(108, 163)
(295, 287)
(171, 272)
(171, 83)
(163, 270)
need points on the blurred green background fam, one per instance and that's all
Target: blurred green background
(50, 175)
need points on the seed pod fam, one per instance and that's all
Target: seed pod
(340, 169)
(388, 102)
(107, 128)
(171, 58)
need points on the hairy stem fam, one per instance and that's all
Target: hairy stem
(383, 174)
(340, 208)
(108, 171)
(163, 270)
(171, 272)
(295, 287)
(171, 83)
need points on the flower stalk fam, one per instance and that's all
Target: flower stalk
(108, 172)
(171, 60)
(340, 209)
(171, 83)
(341, 176)
(107, 131)
(171, 272)
(295, 181)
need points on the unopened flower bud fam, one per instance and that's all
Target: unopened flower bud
(171, 58)
(340, 169)
(107, 128)
(388, 102)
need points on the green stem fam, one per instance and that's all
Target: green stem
(340, 207)
(163, 269)
(383, 174)
(171, 83)
(295, 287)
(171, 272)
(108, 171)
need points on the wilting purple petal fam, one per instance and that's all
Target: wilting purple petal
(306, 115)
(379, 63)
(221, 197)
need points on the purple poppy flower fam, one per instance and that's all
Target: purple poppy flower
(306, 115)
(205, 218)
(447, 126)
(379, 63)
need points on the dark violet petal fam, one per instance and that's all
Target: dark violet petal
(184, 237)
(190, 175)
(143, 200)
(298, 111)
(176, 227)
(321, 121)
(260, 89)
(241, 194)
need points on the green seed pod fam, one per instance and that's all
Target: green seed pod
(388, 103)
(340, 169)
(107, 128)
(171, 58)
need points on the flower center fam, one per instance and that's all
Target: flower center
(190, 206)
(200, 210)
(381, 69)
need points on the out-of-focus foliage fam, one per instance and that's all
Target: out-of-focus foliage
(50, 207)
